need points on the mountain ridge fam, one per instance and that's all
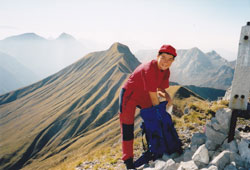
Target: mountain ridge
(63, 106)
(24, 36)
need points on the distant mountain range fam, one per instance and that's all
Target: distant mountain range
(194, 67)
(42, 56)
(13, 74)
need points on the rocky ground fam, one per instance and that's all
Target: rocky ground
(205, 147)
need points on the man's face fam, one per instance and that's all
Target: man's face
(164, 61)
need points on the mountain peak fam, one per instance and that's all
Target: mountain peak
(119, 47)
(195, 52)
(65, 36)
(25, 36)
(195, 49)
(212, 53)
(215, 56)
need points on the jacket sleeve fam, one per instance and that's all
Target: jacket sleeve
(165, 82)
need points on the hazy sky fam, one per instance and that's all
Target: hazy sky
(140, 24)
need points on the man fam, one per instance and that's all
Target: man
(141, 89)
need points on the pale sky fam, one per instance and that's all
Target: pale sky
(140, 24)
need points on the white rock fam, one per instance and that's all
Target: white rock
(213, 168)
(221, 160)
(160, 164)
(190, 165)
(244, 149)
(201, 155)
(171, 165)
(223, 116)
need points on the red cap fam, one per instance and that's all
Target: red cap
(168, 49)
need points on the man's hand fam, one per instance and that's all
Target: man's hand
(164, 94)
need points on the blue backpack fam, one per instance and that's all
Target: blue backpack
(160, 133)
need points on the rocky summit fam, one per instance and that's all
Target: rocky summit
(210, 150)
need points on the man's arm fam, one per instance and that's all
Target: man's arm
(154, 98)
(161, 93)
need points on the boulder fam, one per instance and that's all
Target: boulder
(160, 164)
(210, 145)
(223, 116)
(244, 150)
(221, 160)
(215, 124)
(198, 139)
(201, 155)
(190, 165)
(216, 136)
(171, 165)
(232, 146)
(213, 168)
